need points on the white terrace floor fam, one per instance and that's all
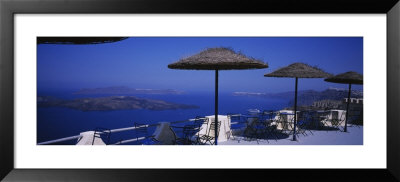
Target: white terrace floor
(353, 136)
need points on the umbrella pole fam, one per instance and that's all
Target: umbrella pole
(347, 108)
(216, 107)
(295, 111)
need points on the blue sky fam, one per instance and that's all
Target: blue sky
(141, 62)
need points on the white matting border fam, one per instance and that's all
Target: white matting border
(370, 155)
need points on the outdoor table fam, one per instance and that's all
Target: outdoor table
(286, 120)
(341, 115)
(224, 128)
(321, 116)
(329, 116)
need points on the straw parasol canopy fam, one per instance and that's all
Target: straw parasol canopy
(78, 40)
(349, 77)
(298, 70)
(218, 59)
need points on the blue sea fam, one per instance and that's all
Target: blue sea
(59, 122)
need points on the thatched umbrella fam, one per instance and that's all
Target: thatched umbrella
(218, 59)
(298, 70)
(78, 40)
(347, 78)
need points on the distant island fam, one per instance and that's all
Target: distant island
(125, 90)
(331, 97)
(110, 103)
(309, 97)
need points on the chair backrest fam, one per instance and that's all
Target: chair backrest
(189, 131)
(264, 115)
(199, 121)
(335, 115)
(211, 130)
(276, 116)
(343, 116)
(321, 114)
(302, 115)
(251, 121)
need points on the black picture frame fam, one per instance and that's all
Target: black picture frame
(8, 8)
